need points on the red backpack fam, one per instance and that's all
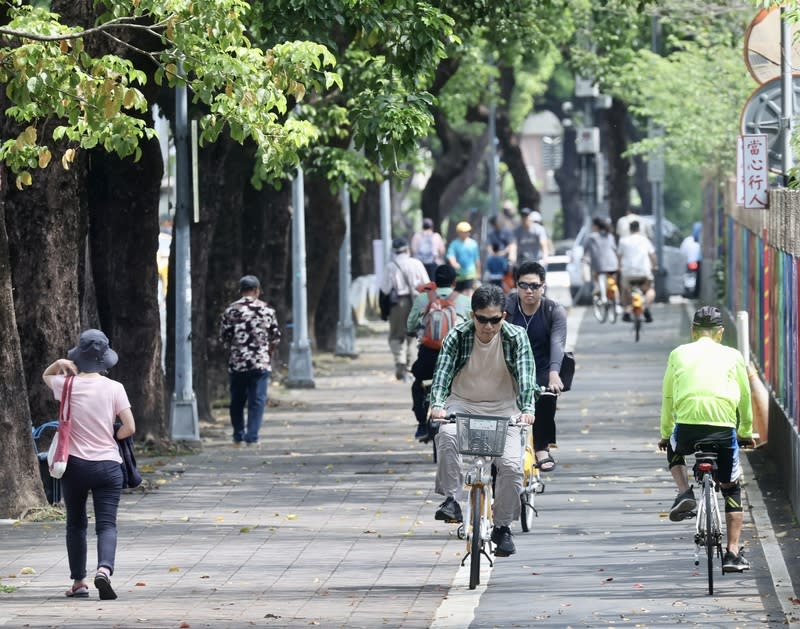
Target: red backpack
(438, 319)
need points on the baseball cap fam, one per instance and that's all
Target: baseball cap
(707, 317)
(526, 211)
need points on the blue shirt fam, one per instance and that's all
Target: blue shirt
(467, 253)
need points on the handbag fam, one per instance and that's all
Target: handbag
(58, 453)
(567, 370)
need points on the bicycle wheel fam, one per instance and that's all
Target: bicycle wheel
(475, 498)
(526, 512)
(599, 309)
(711, 544)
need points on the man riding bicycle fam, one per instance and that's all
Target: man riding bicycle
(706, 401)
(485, 367)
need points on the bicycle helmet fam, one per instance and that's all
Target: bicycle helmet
(707, 317)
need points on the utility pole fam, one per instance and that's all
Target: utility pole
(345, 331)
(655, 174)
(301, 374)
(183, 420)
(787, 104)
(493, 192)
(386, 221)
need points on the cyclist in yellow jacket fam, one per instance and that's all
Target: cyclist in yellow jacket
(706, 399)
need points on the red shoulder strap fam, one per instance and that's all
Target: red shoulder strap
(65, 411)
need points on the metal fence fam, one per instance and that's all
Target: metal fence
(761, 255)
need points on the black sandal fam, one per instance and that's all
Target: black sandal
(103, 583)
(548, 460)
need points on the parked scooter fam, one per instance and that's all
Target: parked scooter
(691, 284)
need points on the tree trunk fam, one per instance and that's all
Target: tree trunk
(365, 228)
(643, 186)
(224, 167)
(268, 245)
(47, 232)
(324, 233)
(527, 194)
(568, 180)
(20, 486)
(454, 171)
(619, 184)
(123, 229)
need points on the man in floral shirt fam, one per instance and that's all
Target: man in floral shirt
(250, 330)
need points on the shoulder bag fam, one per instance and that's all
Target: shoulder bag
(58, 453)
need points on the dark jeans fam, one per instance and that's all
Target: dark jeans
(104, 480)
(250, 388)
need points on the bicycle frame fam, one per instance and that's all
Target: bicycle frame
(708, 525)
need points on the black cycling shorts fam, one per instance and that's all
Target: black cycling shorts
(723, 441)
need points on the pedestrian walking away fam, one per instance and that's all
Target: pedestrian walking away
(94, 462)
(401, 279)
(427, 246)
(485, 367)
(433, 302)
(249, 329)
(545, 323)
(706, 402)
(464, 255)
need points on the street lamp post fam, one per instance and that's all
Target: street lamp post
(183, 419)
(301, 374)
(345, 331)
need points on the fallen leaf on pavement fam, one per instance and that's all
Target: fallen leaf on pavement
(174, 569)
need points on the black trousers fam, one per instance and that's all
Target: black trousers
(422, 369)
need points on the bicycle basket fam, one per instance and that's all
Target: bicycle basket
(481, 435)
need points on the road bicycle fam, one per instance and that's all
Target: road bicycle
(605, 300)
(484, 437)
(708, 526)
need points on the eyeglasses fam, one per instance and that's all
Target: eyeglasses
(529, 286)
(486, 320)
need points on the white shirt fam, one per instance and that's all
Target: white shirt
(634, 255)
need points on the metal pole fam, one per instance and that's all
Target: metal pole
(345, 331)
(301, 375)
(386, 221)
(787, 104)
(657, 190)
(493, 193)
(183, 418)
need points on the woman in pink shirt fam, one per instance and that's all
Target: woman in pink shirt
(94, 459)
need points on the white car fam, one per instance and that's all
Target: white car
(674, 261)
(558, 279)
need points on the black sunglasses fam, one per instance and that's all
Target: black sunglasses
(528, 286)
(485, 320)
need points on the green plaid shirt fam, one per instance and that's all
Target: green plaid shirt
(457, 347)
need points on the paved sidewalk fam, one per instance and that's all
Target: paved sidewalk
(331, 524)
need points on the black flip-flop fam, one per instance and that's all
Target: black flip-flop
(103, 584)
(544, 461)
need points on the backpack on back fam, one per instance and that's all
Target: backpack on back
(425, 252)
(439, 318)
